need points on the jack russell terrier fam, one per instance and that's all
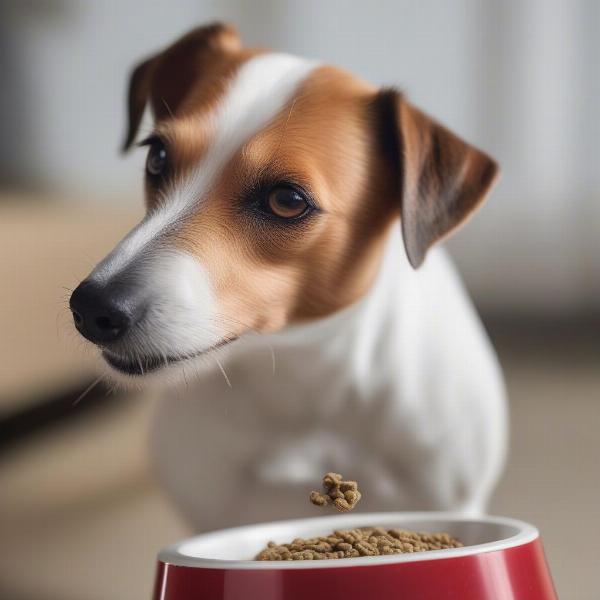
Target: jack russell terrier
(278, 285)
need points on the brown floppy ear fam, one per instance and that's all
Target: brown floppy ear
(165, 78)
(442, 178)
(137, 96)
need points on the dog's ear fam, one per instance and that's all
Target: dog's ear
(137, 96)
(440, 179)
(168, 74)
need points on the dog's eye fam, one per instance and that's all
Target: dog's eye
(156, 162)
(286, 202)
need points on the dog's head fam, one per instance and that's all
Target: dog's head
(271, 184)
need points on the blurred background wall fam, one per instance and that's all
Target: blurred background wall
(519, 78)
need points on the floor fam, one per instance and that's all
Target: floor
(81, 518)
(553, 475)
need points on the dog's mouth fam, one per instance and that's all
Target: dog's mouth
(147, 364)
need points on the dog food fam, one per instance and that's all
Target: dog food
(364, 541)
(344, 495)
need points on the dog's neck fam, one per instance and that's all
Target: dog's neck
(340, 358)
(362, 321)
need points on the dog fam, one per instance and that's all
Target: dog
(284, 291)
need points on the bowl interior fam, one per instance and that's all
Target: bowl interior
(241, 544)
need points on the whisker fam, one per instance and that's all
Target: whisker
(222, 320)
(187, 385)
(285, 126)
(88, 390)
(223, 371)
(272, 357)
(167, 107)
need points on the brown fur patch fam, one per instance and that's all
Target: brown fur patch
(266, 275)
(187, 78)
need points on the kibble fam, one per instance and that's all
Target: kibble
(363, 541)
(343, 495)
(351, 543)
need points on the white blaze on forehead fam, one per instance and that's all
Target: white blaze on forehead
(260, 90)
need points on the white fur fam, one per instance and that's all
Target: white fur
(401, 391)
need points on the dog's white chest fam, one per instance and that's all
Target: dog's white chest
(401, 392)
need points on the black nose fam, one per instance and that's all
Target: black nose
(101, 313)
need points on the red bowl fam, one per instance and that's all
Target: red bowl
(502, 559)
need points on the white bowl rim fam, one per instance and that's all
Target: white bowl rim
(172, 555)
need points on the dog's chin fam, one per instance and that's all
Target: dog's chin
(128, 370)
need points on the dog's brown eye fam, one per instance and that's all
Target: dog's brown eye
(156, 162)
(287, 203)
